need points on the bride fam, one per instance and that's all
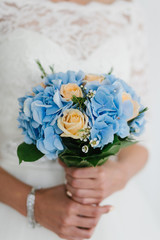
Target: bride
(73, 204)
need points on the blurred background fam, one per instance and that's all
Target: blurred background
(152, 18)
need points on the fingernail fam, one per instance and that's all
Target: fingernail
(69, 193)
(111, 208)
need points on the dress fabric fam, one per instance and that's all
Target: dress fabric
(93, 38)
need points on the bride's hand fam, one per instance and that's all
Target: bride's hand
(67, 218)
(92, 185)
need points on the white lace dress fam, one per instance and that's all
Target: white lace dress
(93, 38)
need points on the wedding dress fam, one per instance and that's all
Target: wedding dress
(92, 38)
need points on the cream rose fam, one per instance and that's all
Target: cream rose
(70, 89)
(93, 77)
(136, 106)
(72, 121)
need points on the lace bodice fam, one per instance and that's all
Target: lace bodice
(81, 29)
(92, 37)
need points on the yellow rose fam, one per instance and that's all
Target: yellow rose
(70, 89)
(72, 121)
(93, 77)
(136, 106)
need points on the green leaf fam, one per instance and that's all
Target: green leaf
(98, 159)
(69, 158)
(73, 145)
(114, 149)
(94, 159)
(144, 110)
(84, 163)
(111, 70)
(72, 156)
(102, 161)
(41, 68)
(79, 101)
(127, 143)
(28, 153)
(52, 69)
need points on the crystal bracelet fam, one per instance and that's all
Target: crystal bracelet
(30, 208)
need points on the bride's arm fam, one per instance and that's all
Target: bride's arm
(132, 159)
(13, 192)
(53, 209)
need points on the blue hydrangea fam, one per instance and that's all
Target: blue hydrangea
(40, 110)
(103, 130)
(57, 79)
(107, 101)
(48, 106)
(30, 128)
(50, 143)
(112, 79)
(137, 125)
(124, 130)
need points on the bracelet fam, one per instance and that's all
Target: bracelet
(30, 208)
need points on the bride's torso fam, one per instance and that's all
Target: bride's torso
(92, 37)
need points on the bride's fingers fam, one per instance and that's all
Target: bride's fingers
(85, 222)
(84, 193)
(92, 211)
(81, 233)
(82, 182)
(69, 238)
(72, 238)
(72, 232)
(86, 200)
(89, 172)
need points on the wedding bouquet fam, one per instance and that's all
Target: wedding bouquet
(80, 118)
